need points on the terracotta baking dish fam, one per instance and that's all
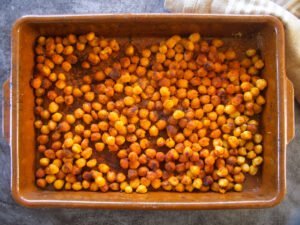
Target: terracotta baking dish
(263, 32)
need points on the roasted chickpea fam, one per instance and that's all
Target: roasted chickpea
(179, 115)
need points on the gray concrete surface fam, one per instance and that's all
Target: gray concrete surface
(11, 213)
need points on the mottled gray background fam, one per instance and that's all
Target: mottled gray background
(11, 213)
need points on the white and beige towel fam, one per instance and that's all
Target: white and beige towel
(287, 10)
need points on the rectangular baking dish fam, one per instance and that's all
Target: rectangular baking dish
(263, 32)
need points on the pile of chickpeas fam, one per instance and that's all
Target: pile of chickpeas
(180, 115)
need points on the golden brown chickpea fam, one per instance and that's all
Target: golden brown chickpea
(248, 96)
(90, 36)
(261, 84)
(129, 101)
(68, 50)
(153, 131)
(66, 66)
(246, 135)
(60, 84)
(110, 140)
(178, 114)
(120, 140)
(160, 57)
(99, 146)
(195, 37)
(129, 50)
(230, 55)
(251, 52)
(41, 183)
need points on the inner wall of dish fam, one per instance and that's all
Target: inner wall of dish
(240, 36)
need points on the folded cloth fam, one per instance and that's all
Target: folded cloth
(291, 22)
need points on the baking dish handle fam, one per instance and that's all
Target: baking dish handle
(290, 117)
(5, 111)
